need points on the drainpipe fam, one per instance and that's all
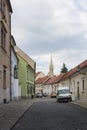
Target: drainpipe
(69, 83)
(10, 58)
(34, 76)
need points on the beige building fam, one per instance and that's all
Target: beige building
(5, 41)
(39, 75)
(76, 80)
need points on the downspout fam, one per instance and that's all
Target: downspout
(69, 83)
(34, 76)
(10, 57)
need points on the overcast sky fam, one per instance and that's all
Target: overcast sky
(42, 28)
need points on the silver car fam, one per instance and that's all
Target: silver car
(39, 95)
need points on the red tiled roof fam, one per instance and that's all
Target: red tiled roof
(51, 80)
(59, 77)
(56, 79)
(36, 74)
(42, 80)
(74, 70)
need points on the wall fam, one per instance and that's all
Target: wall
(26, 83)
(15, 88)
(5, 54)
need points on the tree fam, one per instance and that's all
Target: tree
(64, 69)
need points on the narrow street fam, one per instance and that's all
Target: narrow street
(51, 115)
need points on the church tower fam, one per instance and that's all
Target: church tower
(51, 68)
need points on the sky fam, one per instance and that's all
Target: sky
(42, 28)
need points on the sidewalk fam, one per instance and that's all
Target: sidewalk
(11, 112)
(81, 103)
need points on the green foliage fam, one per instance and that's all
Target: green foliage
(64, 69)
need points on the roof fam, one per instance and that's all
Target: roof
(51, 80)
(59, 77)
(36, 74)
(25, 57)
(42, 80)
(75, 69)
(46, 80)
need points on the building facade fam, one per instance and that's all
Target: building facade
(39, 84)
(5, 42)
(76, 80)
(26, 73)
(15, 84)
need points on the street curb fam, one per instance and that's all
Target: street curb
(81, 105)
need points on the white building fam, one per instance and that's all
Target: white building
(15, 85)
(49, 85)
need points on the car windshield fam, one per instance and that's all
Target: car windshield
(64, 91)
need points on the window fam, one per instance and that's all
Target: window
(3, 37)
(2, 7)
(78, 84)
(4, 79)
(82, 85)
(28, 72)
(0, 4)
(27, 88)
(15, 72)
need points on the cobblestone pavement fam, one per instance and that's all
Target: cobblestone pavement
(53, 116)
(11, 112)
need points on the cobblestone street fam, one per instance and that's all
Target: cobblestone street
(53, 116)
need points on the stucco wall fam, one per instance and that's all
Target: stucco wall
(22, 75)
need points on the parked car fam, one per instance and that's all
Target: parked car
(53, 95)
(45, 94)
(63, 94)
(39, 95)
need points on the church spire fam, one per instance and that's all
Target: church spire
(51, 68)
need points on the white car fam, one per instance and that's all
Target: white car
(63, 94)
